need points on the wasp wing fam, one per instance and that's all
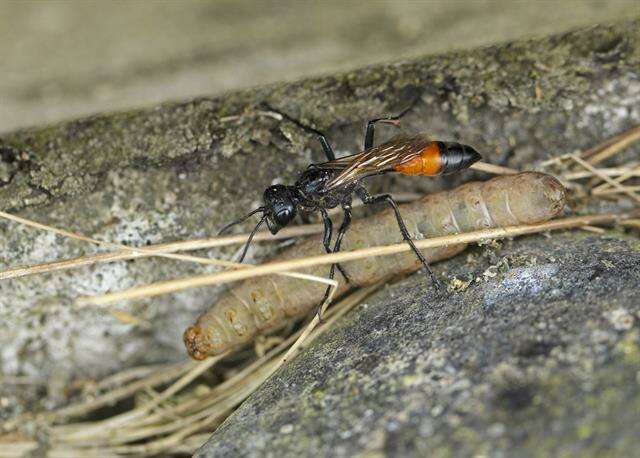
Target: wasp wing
(374, 161)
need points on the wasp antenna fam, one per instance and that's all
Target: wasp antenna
(253, 232)
(239, 220)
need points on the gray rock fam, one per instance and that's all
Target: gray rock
(181, 170)
(118, 57)
(538, 356)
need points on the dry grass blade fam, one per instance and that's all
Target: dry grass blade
(612, 182)
(151, 252)
(161, 250)
(301, 263)
(165, 248)
(17, 448)
(631, 223)
(155, 250)
(609, 191)
(603, 150)
(626, 171)
(297, 346)
(163, 376)
(592, 229)
(129, 375)
(629, 173)
(84, 238)
(494, 169)
(21, 380)
(614, 146)
(102, 427)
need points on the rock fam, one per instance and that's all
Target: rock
(528, 362)
(118, 57)
(182, 170)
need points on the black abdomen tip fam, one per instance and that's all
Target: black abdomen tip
(457, 157)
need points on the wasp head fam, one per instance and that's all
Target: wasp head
(280, 206)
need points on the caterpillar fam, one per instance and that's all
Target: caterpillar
(260, 304)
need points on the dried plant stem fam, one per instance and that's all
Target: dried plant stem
(631, 172)
(154, 250)
(631, 223)
(166, 248)
(617, 144)
(297, 346)
(131, 374)
(603, 150)
(270, 268)
(593, 229)
(626, 171)
(609, 191)
(492, 168)
(21, 380)
(76, 410)
(17, 448)
(139, 412)
(596, 172)
(151, 252)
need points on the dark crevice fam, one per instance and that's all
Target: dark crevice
(9, 180)
(301, 125)
(42, 189)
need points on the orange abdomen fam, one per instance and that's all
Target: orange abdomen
(428, 162)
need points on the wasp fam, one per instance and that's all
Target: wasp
(333, 183)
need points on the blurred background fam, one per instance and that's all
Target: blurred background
(67, 59)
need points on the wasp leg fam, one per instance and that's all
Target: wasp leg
(346, 221)
(343, 229)
(368, 199)
(371, 125)
(326, 147)
(326, 240)
(322, 138)
(328, 230)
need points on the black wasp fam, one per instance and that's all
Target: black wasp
(332, 183)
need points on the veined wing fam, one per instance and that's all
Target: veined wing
(379, 159)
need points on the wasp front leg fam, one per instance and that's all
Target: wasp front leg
(326, 240)
(346, 221)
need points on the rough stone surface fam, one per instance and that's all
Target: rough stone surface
(62, 60)
(180, 170)
(538, 356)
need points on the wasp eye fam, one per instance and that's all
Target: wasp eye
(283, 217)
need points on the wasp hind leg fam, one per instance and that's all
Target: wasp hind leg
(386, 198)
(371, 125)
(343, 229)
